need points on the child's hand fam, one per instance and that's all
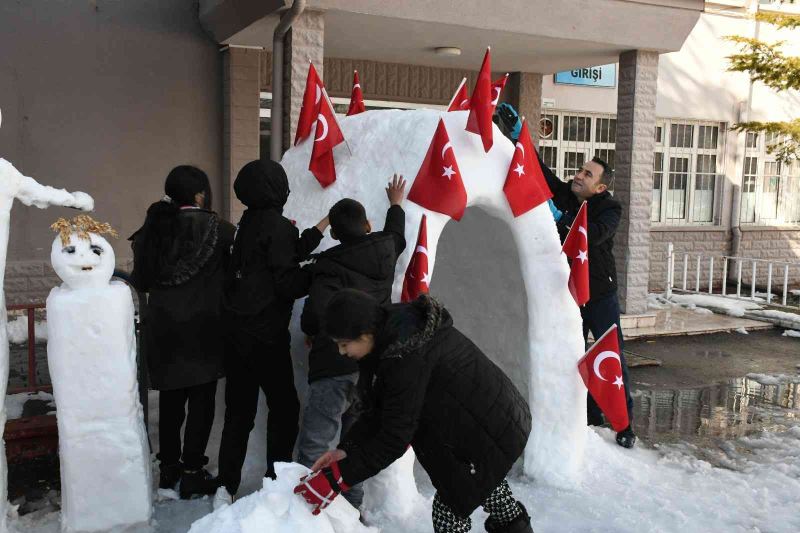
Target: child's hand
(395, 190)
(327, 458)
(323, 224)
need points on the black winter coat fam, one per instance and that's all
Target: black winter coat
(182, 328)
(367, 264)
(428, 385)
(603, 214)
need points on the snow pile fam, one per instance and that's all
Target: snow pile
(15, 403)
(18, 330)
(742, 331)
(719, 304)
(781, 318)
(385, 142)
(276, 509)
(791, 333)
(772, 379)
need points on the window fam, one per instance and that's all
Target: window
(577, 128)
(549, 156)
(692, 154)
(573, 161)
(605, 130)
(580, 138)
(770, 189)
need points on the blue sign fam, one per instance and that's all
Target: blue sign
(602, 76)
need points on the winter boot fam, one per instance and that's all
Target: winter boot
(626, 438)
(197, 483)
(222, 498)
(521, 524)
(169, 475)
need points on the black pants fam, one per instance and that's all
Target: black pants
(171, 413)
(599, 315)
(252, 365)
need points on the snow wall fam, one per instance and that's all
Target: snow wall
(385, 142)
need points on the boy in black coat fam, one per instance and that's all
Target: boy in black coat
(264, 280)
(364, 261)
(428, 386)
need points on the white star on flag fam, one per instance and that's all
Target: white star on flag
(618, 382)
(582, 256)
(520, 170)
(426, 279)
(448, 171)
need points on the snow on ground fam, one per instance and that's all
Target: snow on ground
(791, 333)
(18, 330)
(782, 318)
(16, 402)
(720, 304)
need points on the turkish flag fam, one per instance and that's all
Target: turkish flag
(601, 371)
(576, 246)
(327, 136)
(311, 99)
(525, 185)
(438, 184)
(481, 106)
(356, 98)
(497, 88)
(460, 100)
(417, 278)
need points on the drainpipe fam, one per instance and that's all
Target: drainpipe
(276, 115)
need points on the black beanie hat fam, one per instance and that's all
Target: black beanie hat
(351, 313)
(262, 184)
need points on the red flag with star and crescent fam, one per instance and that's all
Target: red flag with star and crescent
(356, 97)
(460, 100)
(327, 136)
(480, 105)
(417, 278)
(576, 246)
(497, 88)
(310, 108)
(438, 184)
(525, 185)
(601, 371)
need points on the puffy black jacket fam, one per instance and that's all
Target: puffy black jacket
(264, 276)
(366, 263)
(428, 385)
(184, 276)
(603, 214)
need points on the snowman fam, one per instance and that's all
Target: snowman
(105, 464)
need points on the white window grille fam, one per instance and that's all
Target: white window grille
(770, 189)
(568, 139)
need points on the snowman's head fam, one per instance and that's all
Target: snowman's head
(81, 257)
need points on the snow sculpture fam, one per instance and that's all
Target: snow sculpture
(105, 459)
(13, 184)
(384, 142)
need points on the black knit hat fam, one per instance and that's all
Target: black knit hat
(352, 313)
(262, 184)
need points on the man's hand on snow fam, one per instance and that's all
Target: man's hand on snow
(327, 458)
(321, 487)
(395, 190)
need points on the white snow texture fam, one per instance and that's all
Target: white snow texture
(385, 142)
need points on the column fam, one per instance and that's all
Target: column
(524, 91)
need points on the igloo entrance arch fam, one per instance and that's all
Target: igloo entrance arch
(391, 141)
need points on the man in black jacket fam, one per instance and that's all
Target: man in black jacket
(364, 261)
(264, 280)
(428, 386)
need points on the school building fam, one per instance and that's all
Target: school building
(107, 96)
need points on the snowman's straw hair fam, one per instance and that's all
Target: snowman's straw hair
(82, 225)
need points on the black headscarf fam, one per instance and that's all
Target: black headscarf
(262, 185)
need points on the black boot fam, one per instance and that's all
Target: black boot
(197, 483)
(626, 438)
(170, 474)
(521, 524)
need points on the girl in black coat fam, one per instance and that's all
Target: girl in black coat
(428, 386)
(179, 258)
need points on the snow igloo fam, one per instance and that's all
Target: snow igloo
(503, 278)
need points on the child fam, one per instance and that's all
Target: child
(428, 386)
(264, 280)
(364, 261)
(179, 258)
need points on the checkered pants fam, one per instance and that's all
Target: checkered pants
(500, 504)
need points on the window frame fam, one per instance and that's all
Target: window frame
(788, 187)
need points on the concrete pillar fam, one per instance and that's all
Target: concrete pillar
(524, 91)
(304, 43)
(636, 120)
(240, 122)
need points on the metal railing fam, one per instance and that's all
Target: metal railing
(716, 275)
(33, 386)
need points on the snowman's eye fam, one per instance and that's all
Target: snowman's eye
(96, 249)
(69, 249)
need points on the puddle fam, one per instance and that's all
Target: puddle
(705, 415)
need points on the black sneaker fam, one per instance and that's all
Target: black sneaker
(169, 476)
(197, 483)
(520, 524)
(626, 438)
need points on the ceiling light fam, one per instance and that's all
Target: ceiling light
(448, 50)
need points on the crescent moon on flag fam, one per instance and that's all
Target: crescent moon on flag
(319, 94)
(602, 357)
(583, 230)
(464, 102)
(322, 120)
(522, 148)
(422, 249)
(497, 96)
(445, 148)
(357, 85)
